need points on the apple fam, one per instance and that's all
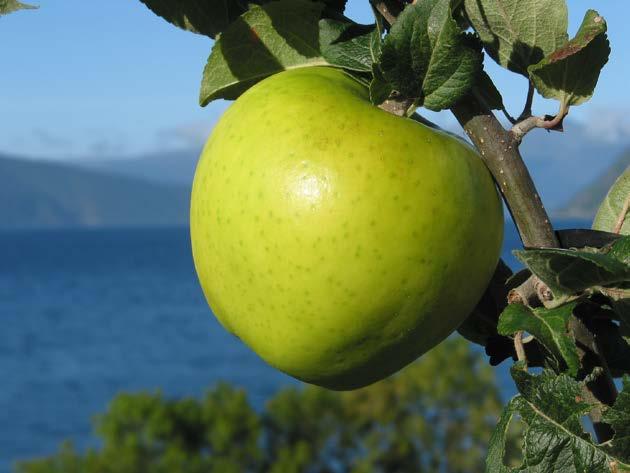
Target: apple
(339, 241)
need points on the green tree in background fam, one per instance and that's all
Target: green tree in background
(435, 416)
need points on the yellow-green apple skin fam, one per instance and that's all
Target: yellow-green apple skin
(338, 241)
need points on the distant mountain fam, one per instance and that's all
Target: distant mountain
(37, 194)
(154, 188)
(560, 163)
(586, 202)
(170, 167)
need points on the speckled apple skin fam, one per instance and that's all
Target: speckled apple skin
(338, 241)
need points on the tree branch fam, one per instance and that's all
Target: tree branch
(524, 126)
(518, 347)
(527, 109)
(390, 9)
(500, 152)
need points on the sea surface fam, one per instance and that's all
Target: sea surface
(86, 314)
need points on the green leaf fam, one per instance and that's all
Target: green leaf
(277, 36)
(488, 92)
(618, 416)
(614, 348)
(459, 13)
(548, 326)
(620, 250)
(265, 40)
(345, 44)
(551, 408)
(519, 33)
(498, 440)
(481, 324)
(427, 58)
(380, 89)
(207, 17)
(570, 73)
(612, 206)
(569, 272)
(376, 43)
(334, 6)
(9, 6)
(211, 17)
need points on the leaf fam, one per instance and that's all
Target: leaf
(618, 416)
(481, 324)
(265, 40)
(345, 44)
(10, 6)
(459, 13)
(498, 440)
(334, 6)
(612, 206)
(551, 408)
(380, 89)
(277, 36)
(488, 92)
(207, 17)
(620, 250)
(569, 272)
(211, 17)
(376, 42)
(427, 58)
(519, 33)
(570, 73)
(614, 347)
(548, 326)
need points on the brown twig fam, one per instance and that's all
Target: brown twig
(390, 9)
(527, 109)
(396, 106)
(520, 349)
(525, 293)
(525, 125)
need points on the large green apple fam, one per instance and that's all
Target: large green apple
(339, 241)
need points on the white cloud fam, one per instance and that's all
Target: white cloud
(189, 135)
(52, 141)
(608, 125)
(110, 148)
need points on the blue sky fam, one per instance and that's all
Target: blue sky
(81, 81)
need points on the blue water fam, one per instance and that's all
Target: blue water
(89, 313)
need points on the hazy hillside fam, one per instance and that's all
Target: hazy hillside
(153, 189)
(561, 163)
(586, 202)
(171, 167)
(43, 194)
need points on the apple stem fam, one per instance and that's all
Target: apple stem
(398, 107)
